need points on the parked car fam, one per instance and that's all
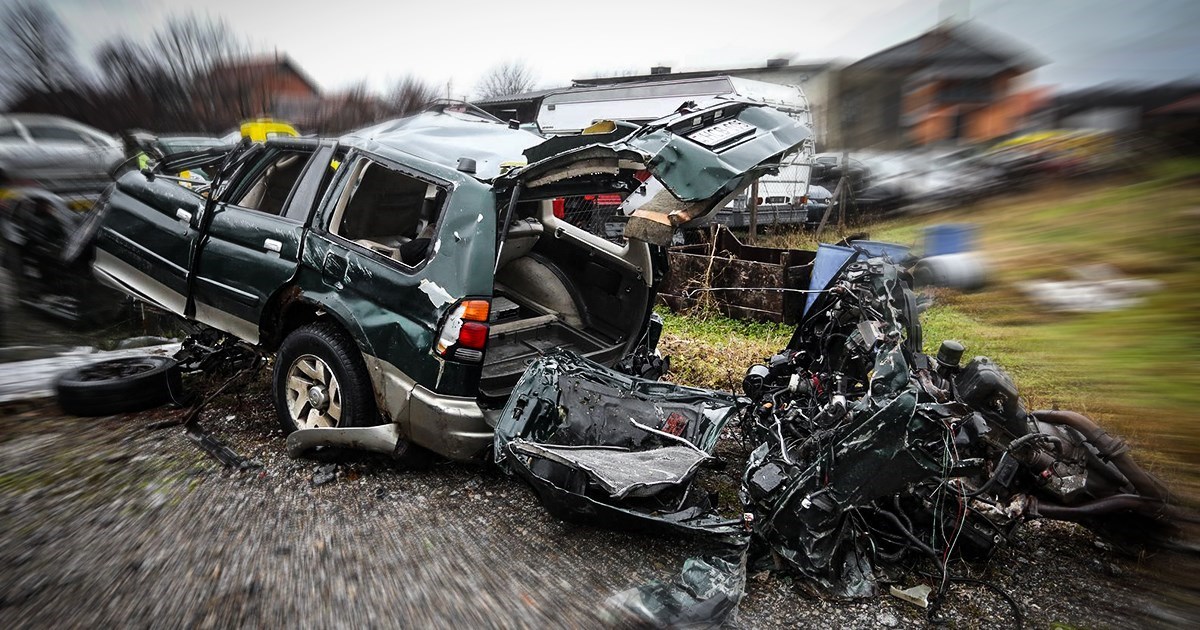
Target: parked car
(51, 169)
(406, 274)
(56, 154)
(34, 228)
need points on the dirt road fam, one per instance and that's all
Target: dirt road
(105, 523)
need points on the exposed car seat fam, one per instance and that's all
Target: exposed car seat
(270, 192)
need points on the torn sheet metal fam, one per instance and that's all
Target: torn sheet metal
(870, 453)
(595, 443)
(704, 595)
(703, 157)
(602, 447)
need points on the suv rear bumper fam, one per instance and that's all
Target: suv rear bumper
(451, 426)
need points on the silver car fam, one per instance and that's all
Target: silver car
(56, 153)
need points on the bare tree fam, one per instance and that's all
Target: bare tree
(35, 51)
(352, 108)
(205, 83)
(186, 78)
(131, 80)
(410, 95)
(510, 77)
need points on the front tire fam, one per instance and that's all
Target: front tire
(321, 380)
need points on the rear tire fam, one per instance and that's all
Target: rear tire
(323, 345)
(321, 380)
(119, 386)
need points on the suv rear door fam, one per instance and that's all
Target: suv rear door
(252, 237)
(703, 158)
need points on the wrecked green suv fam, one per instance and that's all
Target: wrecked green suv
(405, 275)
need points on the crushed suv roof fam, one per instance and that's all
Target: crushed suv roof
(445, 137)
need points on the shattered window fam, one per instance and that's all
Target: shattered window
(388, 212)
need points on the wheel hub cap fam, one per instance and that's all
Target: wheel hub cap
(314, 399)
(318, 397)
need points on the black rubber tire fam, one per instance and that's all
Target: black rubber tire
(119, 386)
(330, 344)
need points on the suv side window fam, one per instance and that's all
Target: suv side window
(271, 182)
(388, 212)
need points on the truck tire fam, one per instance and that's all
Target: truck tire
(119, 386)
(321, 380)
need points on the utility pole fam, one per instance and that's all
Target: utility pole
(845, 190)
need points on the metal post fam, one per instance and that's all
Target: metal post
(753, 212)
(845, 191)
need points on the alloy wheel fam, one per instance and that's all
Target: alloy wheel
(313, 396)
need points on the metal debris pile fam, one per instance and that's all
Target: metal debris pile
(868, 456)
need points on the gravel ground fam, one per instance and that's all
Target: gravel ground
(107, 523)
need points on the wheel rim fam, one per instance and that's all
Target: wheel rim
(313, 396)
(116, 369)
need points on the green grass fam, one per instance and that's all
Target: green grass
(1136, 370)
(710, 350)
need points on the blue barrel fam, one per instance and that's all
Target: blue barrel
(949, 238)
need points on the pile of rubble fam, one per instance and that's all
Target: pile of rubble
(869, 457)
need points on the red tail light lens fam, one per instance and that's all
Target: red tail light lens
(560, 208)
(473, 335)
(465, 333)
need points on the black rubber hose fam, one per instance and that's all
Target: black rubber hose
(1110, 448)
(1100, 507)
(895, 520)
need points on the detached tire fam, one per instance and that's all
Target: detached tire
(119, 386)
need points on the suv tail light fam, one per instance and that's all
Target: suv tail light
(465, 333)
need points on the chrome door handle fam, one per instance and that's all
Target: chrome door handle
(272, 245)
(183, 215)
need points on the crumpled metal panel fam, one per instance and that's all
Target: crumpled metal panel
(698, 179)
(704, 595)
(444, 137)
(622, 472)
(693, 173)
(564, 399)
(602, 447)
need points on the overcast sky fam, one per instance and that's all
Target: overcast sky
(339, 42)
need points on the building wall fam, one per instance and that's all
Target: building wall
(933, 117)
(868, 111)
